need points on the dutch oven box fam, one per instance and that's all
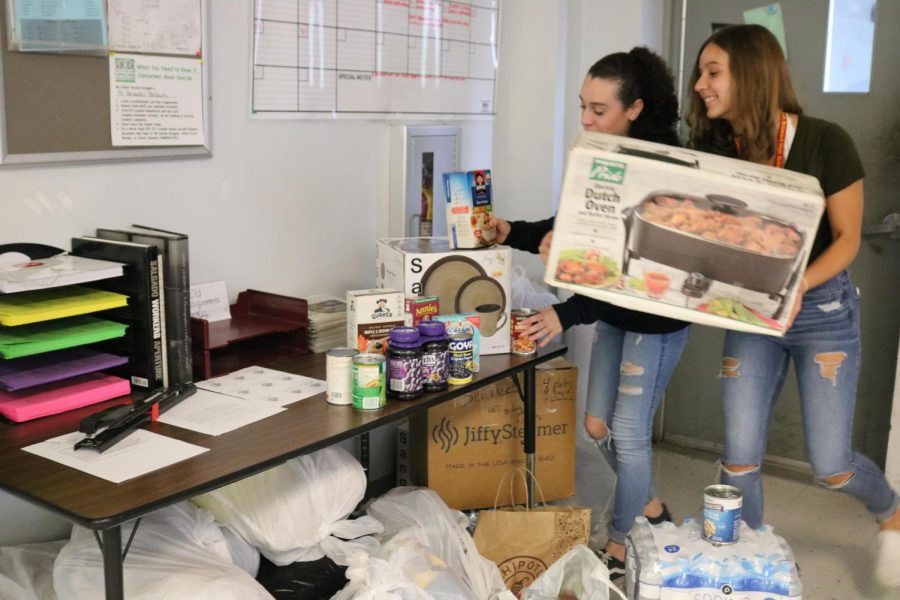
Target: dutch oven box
(683, 234)
(470, 442)
(464, 281)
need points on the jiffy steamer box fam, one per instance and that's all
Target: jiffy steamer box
(464, 281)
(371, 314)
(472, 441)
(683, 234)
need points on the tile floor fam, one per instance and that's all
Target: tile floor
(833, 537)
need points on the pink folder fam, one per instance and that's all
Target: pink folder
(53, 398)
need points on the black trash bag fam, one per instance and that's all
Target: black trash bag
(312, 580)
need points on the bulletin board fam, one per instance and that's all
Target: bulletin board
(55, 107)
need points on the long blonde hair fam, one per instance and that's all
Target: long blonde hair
(761, 89)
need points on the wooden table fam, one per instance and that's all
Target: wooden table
(304, 427)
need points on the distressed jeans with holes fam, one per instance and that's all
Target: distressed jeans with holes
(824, 345)
(629, 373)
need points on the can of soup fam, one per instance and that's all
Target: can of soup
(368, 381)
(339, 375)
(519, 342)
(722, 514)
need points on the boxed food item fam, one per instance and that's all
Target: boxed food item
(420, 308)
(674, 562)
(464, 281)
(371, 314)
(469, 208)
(683, 234)
(470, 442)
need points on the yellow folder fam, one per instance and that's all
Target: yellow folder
(55, 303)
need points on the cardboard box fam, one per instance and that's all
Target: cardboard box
(476, 281)
(469, 208)
(683, 234)
(371, 314)
(463, 447)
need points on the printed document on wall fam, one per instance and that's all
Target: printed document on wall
(374, 58)
(155, 26)
(57, 26)
(155, 100)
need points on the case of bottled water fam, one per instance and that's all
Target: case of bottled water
(669, 562)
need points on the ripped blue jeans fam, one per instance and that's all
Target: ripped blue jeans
(824, 345)
(629, 373)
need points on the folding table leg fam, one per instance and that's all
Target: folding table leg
(112, 563)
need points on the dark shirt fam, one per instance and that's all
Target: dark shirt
(581, 310)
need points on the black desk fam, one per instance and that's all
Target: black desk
(304, 427)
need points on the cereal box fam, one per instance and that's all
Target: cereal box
(371, 314)
(469, 209)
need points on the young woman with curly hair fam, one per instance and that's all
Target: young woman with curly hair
(634, 353)
(744, 106)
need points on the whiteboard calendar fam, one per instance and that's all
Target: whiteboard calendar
(374, 58)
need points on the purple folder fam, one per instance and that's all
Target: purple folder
(29, 371)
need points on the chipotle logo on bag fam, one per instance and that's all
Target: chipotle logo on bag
(519, 572)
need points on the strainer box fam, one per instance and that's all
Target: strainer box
(464, 281)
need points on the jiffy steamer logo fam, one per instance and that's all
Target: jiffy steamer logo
(447, 435)
(610, 171)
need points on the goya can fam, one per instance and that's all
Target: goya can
(722, 514)
(368, 381)
(519, 343)
(460, 354)
(339, 375)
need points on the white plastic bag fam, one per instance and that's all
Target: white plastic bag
(26, 571)
(288, 511)
(525, 293)
(577, 574)
(421, 514)
(177, 552)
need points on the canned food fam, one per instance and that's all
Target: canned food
(722, 514)
(368, 381)
(519, 342)
(460, 354)
(339, 375)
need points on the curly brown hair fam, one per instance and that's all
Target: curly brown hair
(641, 73)
(761, 90)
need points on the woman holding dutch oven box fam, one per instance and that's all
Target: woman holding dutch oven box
(744, 106)
(629, 94)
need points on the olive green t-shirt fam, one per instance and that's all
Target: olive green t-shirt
(825, 151)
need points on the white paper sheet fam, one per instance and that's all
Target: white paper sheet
(215, 414)
(138, 454)
(155, 100)
(266, 385)
(155, 26)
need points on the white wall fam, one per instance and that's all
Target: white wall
(294, 207)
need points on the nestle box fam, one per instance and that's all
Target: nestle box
(683, 234)
(463, 447)
(464, 281)
(371, 314)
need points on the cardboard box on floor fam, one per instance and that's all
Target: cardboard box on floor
(462, 448)
(683, 234)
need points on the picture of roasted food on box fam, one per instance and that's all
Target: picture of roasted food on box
(587, 267)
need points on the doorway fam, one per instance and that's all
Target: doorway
(692, 414)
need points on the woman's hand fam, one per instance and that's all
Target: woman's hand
(502, 226)
(543, 327)
(798, 301)
(544, 248)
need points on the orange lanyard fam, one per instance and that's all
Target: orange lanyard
(779, 143)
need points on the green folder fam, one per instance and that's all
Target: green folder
(56, 335)
(56, 303)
